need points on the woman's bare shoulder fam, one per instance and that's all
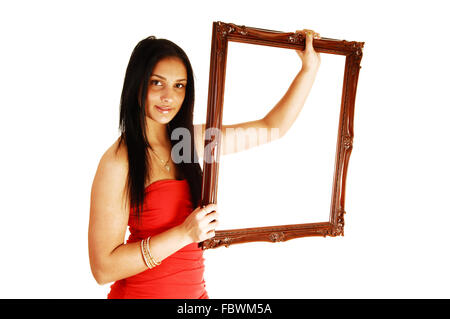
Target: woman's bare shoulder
(113, 165)
(115, 156)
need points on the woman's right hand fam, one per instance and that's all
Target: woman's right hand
(201, 223)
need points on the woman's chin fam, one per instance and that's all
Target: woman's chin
(159, 119)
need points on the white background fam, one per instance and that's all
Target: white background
(62, 66)
(288, 181)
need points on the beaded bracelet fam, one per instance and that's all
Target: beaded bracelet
(145, 251)
(144, 256)
(147, 246)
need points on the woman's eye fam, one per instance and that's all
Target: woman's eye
(179, 85)
(155, 82)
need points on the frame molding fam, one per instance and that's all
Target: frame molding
(221, 34)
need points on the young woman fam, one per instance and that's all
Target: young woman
(138, 183)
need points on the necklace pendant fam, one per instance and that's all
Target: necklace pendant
(167, 167)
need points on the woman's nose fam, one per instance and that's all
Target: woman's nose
(166, 96)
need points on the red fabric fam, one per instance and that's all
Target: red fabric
(167, 203)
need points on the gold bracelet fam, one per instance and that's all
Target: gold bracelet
(154, 261)
(144, 255)
(147, 253)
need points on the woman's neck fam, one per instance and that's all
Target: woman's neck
(157, 134)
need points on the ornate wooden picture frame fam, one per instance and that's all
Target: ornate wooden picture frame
(224, 32)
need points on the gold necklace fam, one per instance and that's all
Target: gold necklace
(165, 164)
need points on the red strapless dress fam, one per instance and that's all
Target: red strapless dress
(167, 203)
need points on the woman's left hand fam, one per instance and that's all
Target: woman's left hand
(310, 58)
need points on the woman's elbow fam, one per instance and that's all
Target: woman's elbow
(100, 273)
(101, 277)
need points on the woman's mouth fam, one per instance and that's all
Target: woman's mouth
(163, 110)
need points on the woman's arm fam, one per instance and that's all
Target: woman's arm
(286, 111)
(110, 258)
(242, 136)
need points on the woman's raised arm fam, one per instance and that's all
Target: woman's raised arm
(242, 136)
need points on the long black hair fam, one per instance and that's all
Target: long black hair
(147, 53)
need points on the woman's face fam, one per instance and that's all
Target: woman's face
(166, 90)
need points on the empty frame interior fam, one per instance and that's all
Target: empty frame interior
(287, 181)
